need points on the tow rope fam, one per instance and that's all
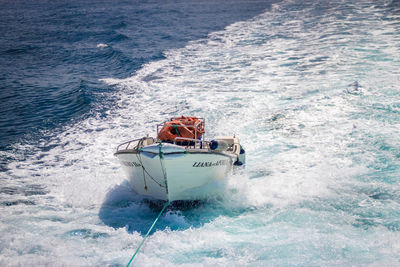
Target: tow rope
(160, 154)
(148, 232)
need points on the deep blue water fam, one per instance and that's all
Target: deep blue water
(312, 89)
(51, 54)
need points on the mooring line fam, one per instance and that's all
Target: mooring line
(148, 232)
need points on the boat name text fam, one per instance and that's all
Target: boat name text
(131, 164)
(210, 164)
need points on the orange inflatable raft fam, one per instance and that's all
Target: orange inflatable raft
(187, 127)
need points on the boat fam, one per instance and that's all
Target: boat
(179, 164)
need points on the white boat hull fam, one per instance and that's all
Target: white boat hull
(176, 175)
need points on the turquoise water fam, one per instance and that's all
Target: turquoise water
(312, 90)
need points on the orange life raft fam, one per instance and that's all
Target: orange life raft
(187, 127)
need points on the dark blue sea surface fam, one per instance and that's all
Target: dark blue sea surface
(53, 53)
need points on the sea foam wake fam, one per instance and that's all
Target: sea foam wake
(313, 95)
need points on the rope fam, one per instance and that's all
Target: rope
(148, 232)
(160, 154)
(139, 157)
(176, 129)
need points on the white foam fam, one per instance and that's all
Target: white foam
(101, 45)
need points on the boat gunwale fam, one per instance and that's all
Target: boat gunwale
(132, 151)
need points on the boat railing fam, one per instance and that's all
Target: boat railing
(135, 144)
(191, 143)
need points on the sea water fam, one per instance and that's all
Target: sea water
(311, 88)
